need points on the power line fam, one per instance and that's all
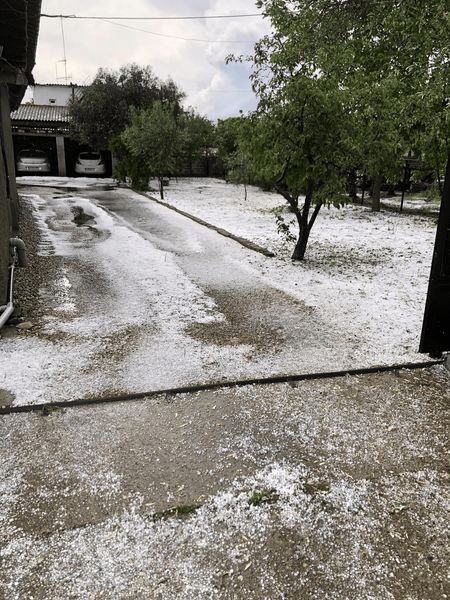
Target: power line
(177, 37)
(153, 18)
(111, 21)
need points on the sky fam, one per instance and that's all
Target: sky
(191, 51)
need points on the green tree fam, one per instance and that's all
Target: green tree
(199, 138)
(399, 77)
(301, 137)
(103, 109)
(235, 159)
(153, 144)
(339, 86)
(227, 137)
(159, 141)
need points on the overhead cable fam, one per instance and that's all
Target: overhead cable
(152, 18)
(177, 37)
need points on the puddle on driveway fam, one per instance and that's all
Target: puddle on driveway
(80, 218)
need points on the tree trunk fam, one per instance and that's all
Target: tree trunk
(302, 214)
(300, 246)
(376, 193)
(304, 227)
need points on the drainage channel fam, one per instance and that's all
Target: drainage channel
(47, 408)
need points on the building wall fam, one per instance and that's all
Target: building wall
(5, 234)
(19, 28)
(48, 94)
(7, 187)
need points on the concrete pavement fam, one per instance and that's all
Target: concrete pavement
(332, 488)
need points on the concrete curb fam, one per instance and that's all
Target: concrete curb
(236, 383)
(244, 242)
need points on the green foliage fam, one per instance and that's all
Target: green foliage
(127, 167)
(158, 140)
(227, 131)
(176, 511)
(151, 144)
(399, 79)
(239, 167)
(199, 135)
(346, 85)
(232, 153)
(263, 497)
(103, 109)
(283, 228)
(200, 131)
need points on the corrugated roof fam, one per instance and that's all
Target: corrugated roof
(36, 112)
(62, 85)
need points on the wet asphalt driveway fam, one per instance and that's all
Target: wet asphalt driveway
(139, 298)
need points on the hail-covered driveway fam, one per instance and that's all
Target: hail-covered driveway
(142, 298)
(328, 488)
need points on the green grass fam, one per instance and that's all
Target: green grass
(263, 497)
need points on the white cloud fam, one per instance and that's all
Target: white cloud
(170, 47)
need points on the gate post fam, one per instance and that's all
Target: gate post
(435, 337)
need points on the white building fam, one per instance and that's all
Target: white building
(51, 94)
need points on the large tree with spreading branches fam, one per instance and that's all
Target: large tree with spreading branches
(345, 85)
(103, 109)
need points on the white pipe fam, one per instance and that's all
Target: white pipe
(9, 309)
(19, 245)
(18, 253)
(6, 314)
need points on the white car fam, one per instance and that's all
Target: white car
(32, 161)
(90, 163)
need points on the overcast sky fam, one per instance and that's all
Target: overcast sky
(191, 52)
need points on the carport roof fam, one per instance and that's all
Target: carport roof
(40, 113)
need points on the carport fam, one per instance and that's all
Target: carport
(43, 127)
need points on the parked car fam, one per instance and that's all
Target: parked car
(90, 163)
(32, 160)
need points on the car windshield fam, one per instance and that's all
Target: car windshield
(89, 156)
(32, 154)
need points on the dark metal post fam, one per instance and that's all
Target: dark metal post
(435, 337)
(406, 175)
